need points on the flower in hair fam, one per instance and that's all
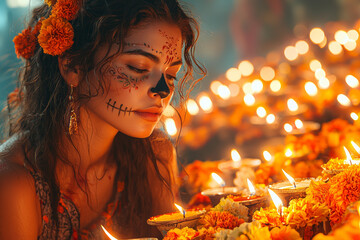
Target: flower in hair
(25, 43)
(50, 2)
(56, 35)
(66, 9)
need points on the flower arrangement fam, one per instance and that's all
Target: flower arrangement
(235, 208)
(54, 34)
(218, 219)
(185, 233)
(348, 231)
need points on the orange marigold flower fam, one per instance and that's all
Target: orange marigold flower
(221, 220)
(66, 9)
(56, 36)
(284, 232)
(50, 2)
(25, 43)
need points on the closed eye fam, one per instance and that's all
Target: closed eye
(137, 70)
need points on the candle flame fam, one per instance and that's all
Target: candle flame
(108, 234)
(288, 152)
(206, 103)
(348, 157)
(299, 124)
(276, 200)
(354, 116)
(251, 188)
(357, 148)
(182, 211)
(292, 105)
(218, 179)
(267, 156)
(235, 156)
(290, 178)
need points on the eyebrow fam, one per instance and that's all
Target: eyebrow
(151, 56)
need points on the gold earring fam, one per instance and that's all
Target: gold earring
(73, 127)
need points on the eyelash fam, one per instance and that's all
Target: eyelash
(137, 70)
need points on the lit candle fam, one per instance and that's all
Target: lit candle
(348, 157)
(277, 201)
(182, 210)
(291, 179)
(251, 188)
(218, 179)
(236, 158)
(357, 148)
(107, 233)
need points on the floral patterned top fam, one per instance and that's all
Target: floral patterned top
(69, 217)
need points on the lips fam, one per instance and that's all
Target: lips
(150, 114)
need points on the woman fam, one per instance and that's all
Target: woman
(83, 151)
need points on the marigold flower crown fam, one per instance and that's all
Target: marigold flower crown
(54, 34)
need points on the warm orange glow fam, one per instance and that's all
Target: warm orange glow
(257, 86)
(324, 83)
(246, 68)
(317, 35)
(311, 89)
(314, 65)
(276, 200)
(335, 47)
(320, 73)
(224, 92)
(214, 86)
(353, 34)
(350, 45)
(235, 156)
(251, 187)
(348, 156)
(234, 89)
(288, 128)
(288, 152)
(302, 47)
(108, 234)
(218, 179)
(247, 88)
(290, 178)
(341, 37)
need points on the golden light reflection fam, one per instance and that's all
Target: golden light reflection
(234, 89)
(320, 73)
(353, 34)
(335, 47)
(290, 178)
(350, 45)
(314, 65)
(218, 179)
(341, 37)
(288, 152)
(108, 234)
(277, 201)
(317, 35)
(343, 100)
(247, 88)
(224, 92)
(246, 68)
(257, 86)
(302, 47)
(214, 86)
(352, 81)
(192, 107)
(324, 83)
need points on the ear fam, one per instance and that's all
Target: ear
(71, 76)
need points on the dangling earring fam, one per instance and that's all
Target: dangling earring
(73, 127)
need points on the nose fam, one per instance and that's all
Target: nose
(161, 88)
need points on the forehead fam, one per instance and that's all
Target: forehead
(156, 36)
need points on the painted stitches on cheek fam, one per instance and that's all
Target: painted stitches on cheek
(120, 108)
(128, 82)
(170, 47)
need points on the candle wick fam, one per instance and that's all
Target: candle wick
(184, 213)
(294, 184)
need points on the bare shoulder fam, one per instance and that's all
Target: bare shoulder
(19, 205)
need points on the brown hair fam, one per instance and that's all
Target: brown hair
(44, 109)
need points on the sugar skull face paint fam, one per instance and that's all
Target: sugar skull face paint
(140, 79)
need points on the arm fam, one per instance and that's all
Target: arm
(19, 205)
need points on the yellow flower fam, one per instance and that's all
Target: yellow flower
(284, 232)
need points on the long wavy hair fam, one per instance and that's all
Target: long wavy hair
(44, 103)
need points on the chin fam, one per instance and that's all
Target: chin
(138, 134)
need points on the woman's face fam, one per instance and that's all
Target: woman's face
(141, 80)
